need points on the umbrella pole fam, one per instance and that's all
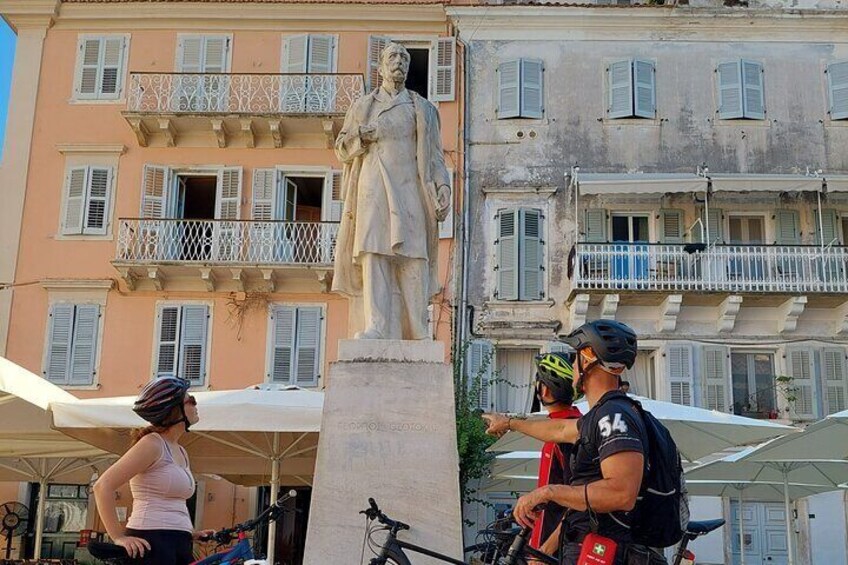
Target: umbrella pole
(275, 488)
(39, 517)
(741, 532)
(790, 545)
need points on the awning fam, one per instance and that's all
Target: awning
(836, 183)
(639, 183)
(765, 183)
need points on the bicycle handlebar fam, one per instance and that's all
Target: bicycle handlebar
(373, 512)
(271, 513)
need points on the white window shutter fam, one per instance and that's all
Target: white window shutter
(112, 75)
(752, 83)
(193, 332)
(443, 63)
(84, 348)
(229, 193)
(730, 90)
(336, 199)
(263, 192)
(788, 227)
(322, 54)
(59, 338)
(88, 79)
(531, 274)
(834, 382)
(713, 224)
(216, 54)
(479, 364)
(97, 205)
(376, 44)
(190, 55)
(644, 84)
(75, 200)
(532, 98)
(507, 248)
(620, 84)
(800, 365)
(509, 89)
(830, 224)
(595, 226)
(308, 341)
(446, 226)
(837, 86)
(716, 382)
(154, 191)
(296, 54)
(166, 341)
(282, 358)
(680, 374)
(671, 226)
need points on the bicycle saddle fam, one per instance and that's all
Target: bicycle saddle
(705, 527)
(104, 551)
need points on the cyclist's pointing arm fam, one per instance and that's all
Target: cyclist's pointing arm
(557, 431)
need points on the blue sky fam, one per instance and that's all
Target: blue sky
(7, 55)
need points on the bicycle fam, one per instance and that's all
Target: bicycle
(391, 551)
(241, 552)
(693, 531)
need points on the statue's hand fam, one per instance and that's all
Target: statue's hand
(368, 133)
(443, 202)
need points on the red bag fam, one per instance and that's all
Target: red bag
(597, 550)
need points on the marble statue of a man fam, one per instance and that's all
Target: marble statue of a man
(396, 189)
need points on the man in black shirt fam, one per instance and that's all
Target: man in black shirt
(611, 445)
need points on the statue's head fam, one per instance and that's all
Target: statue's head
(394, 63)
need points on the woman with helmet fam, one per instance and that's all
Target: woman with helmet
(555, 391)
(611, 448)
(156, 467)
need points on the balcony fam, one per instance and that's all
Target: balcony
(721, 268)
(252, 110)
(224, 254)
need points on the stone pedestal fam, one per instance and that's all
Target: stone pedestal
(388, 432)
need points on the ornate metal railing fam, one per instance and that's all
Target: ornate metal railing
(733, 268)
(226, 242)
(209, 93)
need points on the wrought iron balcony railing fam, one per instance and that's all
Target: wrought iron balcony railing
(226, 242)
(695, 267)
(245, 94)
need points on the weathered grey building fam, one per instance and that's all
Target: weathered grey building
(681, 168)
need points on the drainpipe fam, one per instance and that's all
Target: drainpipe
(463, 321)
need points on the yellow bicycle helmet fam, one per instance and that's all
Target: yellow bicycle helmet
(554, 371)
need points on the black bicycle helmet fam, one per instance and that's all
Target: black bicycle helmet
(554, 371)
(158, 399)
(613, 343)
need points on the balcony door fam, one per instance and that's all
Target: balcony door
(308, 62)
(745, 264)
(754, 390)
(630, 259)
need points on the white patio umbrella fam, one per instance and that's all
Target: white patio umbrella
(245, 435)
(742, 467)
(29, 449)
(697, 432)
(826, 439)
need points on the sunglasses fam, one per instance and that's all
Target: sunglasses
(189, 399)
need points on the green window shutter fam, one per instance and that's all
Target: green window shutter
(595, 227)
(75, 201)
(680, 374)
(620, 84)
(715, 379)
(59, 337)
(532, 97)
(671, 226)
(479, 371)
(837, 86)
(752, 83)
(507, 244)
(308, 339)
(644, 84)
(84, 346)
(730, 90)
(193, 333)
(282, 358)
(830, 223)
(531, 275)
(509, 89)
(167, 339)
(788, 227)
(799, 362)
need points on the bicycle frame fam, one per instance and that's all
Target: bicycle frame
(241, 550)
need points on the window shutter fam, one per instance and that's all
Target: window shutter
(263, 189)
(531, 280)
(97, 206)
(644, 78)
(752, 81)
(295, 54)
(154, 196)
(713, 225)
(837, 86)
(834, 382)
(800, 365)
(507, 245)
(322, 54)
(595, 228)
(479, 371)
(446, 226)
(620, 82)
(334, 200)
(443, 57)
(75, 201)
(830, 223)
(308, 346)
(169, 326)
(671, 226)
(532, 102)
(89, 68)
(376, 44)
(193, 343)
(215, 54)
(229, 193)
(730, 90)
(788, 227)
(190, 55)
(283, 355)
(716, 379)
(59, 343)
(680, 374)
(112, 67)
(509, 73)
(84, 351)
